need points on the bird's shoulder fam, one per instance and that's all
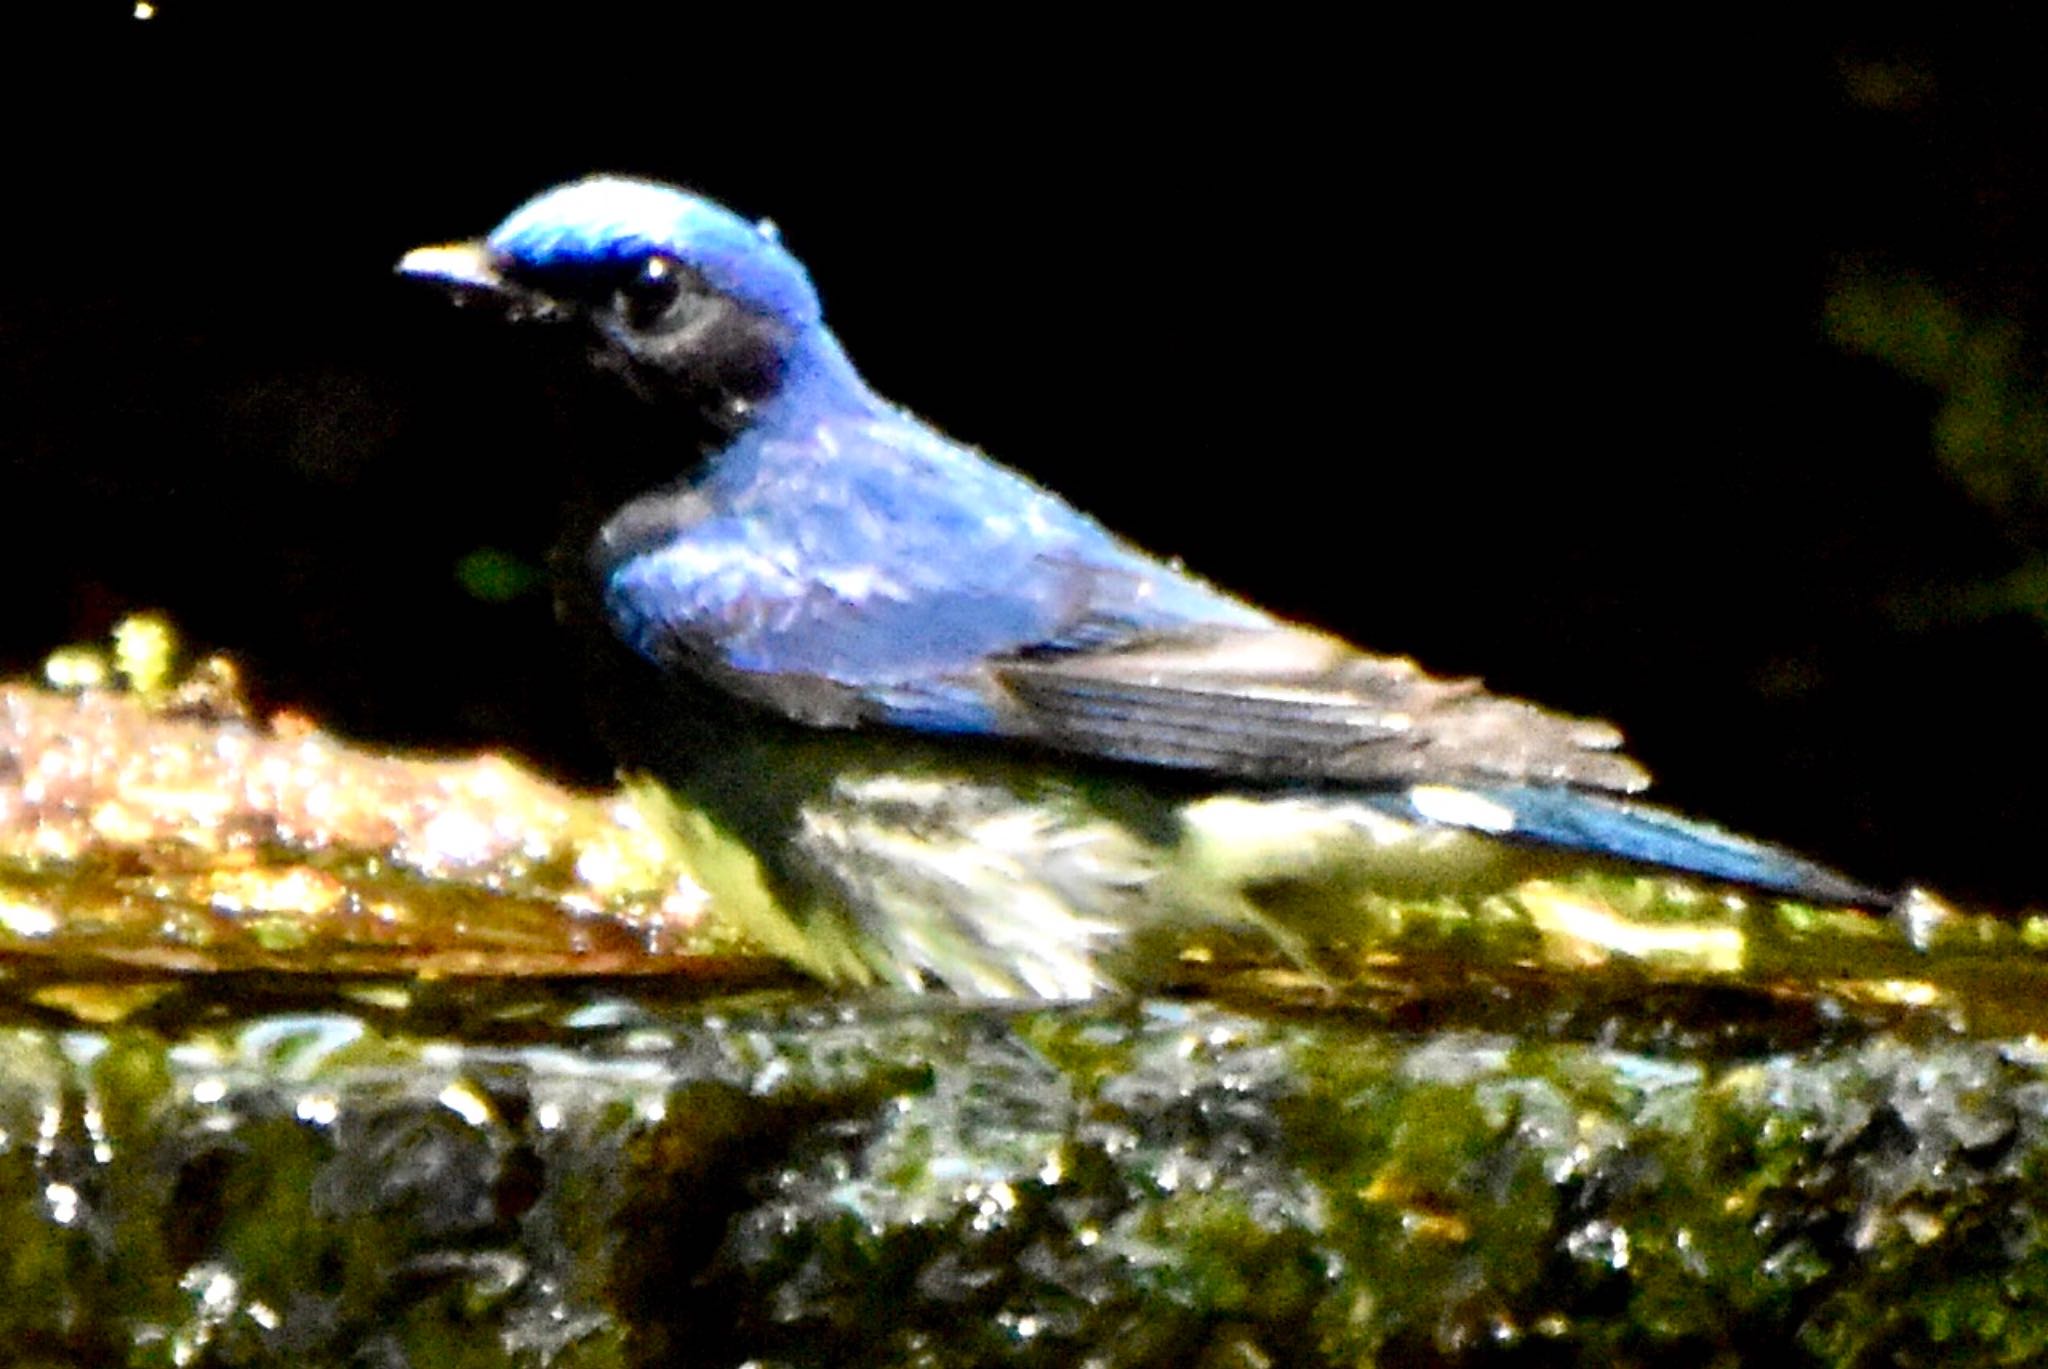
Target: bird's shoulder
(867, 544)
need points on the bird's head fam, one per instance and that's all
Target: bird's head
(688, 299)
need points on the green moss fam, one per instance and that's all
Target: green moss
(482, 1175)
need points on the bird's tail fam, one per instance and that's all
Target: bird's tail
(1636, 832)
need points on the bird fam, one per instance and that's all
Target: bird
(935, 728)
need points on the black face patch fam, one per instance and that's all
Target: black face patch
(659, 323)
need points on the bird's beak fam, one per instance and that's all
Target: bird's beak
(467, 271)
(464, 266)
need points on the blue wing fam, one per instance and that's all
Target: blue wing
(864, 571)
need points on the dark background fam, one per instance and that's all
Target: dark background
(1684, 377)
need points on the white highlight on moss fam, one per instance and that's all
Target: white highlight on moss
(465, 1102)
(63, 1201)
(319, 1109)
(26, 920)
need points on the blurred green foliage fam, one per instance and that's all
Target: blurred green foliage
(1990, 431)
(497, 576)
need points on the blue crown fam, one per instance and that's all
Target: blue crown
(606, 220)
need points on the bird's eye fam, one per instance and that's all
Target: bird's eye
(651, 291)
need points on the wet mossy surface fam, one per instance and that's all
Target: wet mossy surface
(393, 1174)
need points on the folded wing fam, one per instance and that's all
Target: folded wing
(1290, 704)
(907, 582)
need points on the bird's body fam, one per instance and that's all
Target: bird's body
(971, 736)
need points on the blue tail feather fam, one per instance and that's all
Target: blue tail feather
(1622, 830)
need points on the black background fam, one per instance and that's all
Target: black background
(1498, 348)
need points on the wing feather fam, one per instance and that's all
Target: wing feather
(1288, 703)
